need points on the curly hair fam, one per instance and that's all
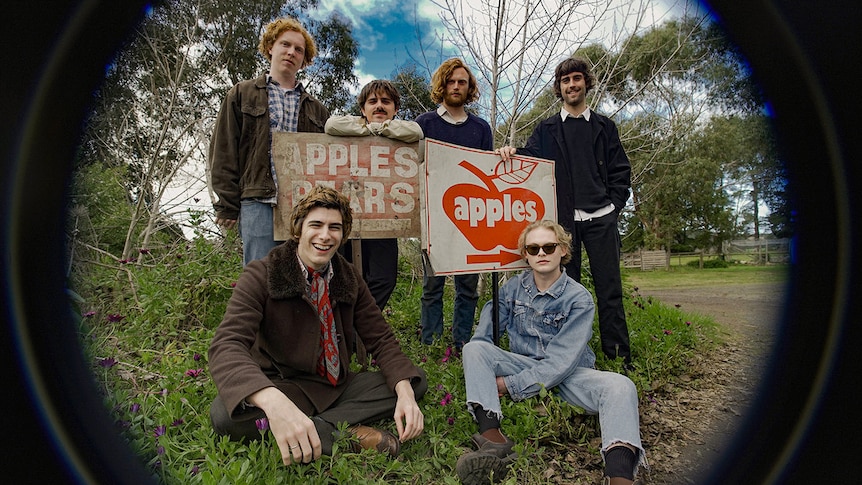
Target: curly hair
(379, 86)
(328, 198)
(442, 75)
(563, 238)
(279, 26)
(570, 65)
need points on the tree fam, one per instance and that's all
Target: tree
(414, 89)
(153, 116)
(512, 43)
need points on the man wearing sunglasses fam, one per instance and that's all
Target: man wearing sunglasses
(549, 319)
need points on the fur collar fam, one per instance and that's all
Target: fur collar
(286, 279)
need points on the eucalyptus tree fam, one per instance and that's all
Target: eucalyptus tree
(153, 115)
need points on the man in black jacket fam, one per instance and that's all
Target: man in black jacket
(593, 176)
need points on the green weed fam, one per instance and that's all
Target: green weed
(146, 326)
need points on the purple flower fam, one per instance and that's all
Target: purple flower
(194, 372)
(450, 420)
(159, 431)
(108, 362)
(177, 422)
(197, 357)
(135, 407)
(446, 399)
(160, 450)
(262, 424)
(447, 354)
(88, 314)
(115, 317)
(195, 470)
(668, 332)
(233, 284)
(144, 251)
(688, 323)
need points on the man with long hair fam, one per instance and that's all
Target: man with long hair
(454, 87)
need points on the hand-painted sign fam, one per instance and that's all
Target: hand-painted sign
(476, 206)
(378, 174)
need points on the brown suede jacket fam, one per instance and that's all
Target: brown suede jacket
(270, 334)
(239, 152)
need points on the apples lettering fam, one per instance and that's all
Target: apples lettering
(488, 217)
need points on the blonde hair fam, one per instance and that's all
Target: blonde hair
(563, 238)
(442, 75)
(279, 26)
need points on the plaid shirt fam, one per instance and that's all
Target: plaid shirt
(283, 116)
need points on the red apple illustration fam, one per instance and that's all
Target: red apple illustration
(488, 217)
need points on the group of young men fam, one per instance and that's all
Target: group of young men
(300, 308)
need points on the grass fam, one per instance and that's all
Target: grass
(688, 277)
(146, 327)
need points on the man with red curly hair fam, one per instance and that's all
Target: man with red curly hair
(240, 163)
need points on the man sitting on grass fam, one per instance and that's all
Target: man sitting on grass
(549, 319)
(283, 349)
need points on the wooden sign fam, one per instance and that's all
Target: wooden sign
(378, 174)
(476, 206)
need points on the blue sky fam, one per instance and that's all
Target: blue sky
(388, 31)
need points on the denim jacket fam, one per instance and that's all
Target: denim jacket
(553, 327)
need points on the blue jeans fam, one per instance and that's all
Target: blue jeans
(611, 395)
(255, 229)
(464, 313)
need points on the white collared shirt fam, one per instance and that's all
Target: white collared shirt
(441, 110)
(565, 114)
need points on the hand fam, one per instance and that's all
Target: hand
(502, 390)
(506, 152)
(409, 420)
(294, 432)
(226, 223)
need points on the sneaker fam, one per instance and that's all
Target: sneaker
(488, 464)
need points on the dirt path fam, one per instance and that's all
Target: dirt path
(708, 413)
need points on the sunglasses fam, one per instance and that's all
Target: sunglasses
(533, 249)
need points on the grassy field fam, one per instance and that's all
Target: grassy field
(146, 327)
(688, 277)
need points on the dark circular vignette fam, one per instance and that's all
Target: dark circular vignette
(57, 431)
(799, 54)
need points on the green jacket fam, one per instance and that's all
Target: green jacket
(239, 152)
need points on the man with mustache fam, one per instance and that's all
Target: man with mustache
(378, 104)
(242, 175)
(454, 87)
(593, 176)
